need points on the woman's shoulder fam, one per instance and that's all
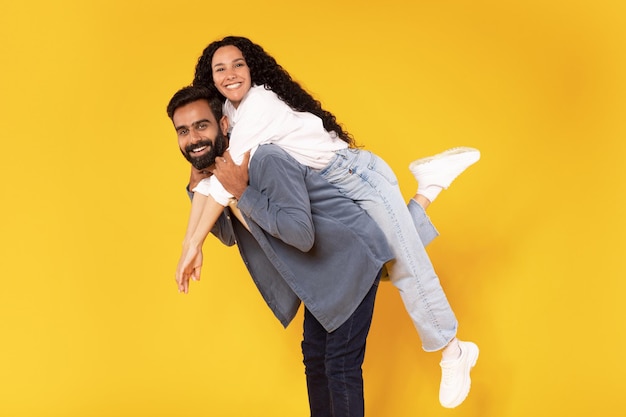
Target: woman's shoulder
(258, 93)
(261, 99)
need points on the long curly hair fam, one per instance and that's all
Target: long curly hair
(264, 70)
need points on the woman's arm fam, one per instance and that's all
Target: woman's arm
(204, 214)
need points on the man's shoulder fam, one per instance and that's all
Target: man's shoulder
(271, 150)
(271, 161)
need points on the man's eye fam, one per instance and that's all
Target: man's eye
(202, 126)
(182, 132)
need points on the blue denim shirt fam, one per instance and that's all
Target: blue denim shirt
(307, 241)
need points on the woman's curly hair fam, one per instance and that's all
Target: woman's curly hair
(264, 70)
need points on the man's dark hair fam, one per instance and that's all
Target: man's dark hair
(264, 70)
(192, 93)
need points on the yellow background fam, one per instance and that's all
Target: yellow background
(93, 206)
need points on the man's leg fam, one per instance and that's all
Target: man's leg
(314, 353)
(345, 352)
(333, 362)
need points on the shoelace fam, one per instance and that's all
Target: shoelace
(447, 374)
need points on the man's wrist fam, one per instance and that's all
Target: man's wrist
(240, 193)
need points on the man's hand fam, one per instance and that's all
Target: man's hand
(233, 177)
(197, 176)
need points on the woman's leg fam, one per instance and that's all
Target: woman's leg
(424, 227)
(369, 181)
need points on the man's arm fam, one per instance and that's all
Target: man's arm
(276, 199)
(233, 177)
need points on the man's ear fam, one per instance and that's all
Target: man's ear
(224, 125)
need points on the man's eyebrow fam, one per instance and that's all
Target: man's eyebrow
(196, 123)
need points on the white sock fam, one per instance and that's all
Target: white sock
(452, 351)
(430, 192)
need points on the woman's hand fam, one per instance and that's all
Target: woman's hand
(189, 266)
(196, 176)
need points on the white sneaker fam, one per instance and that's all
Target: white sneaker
(455, 376)
(443, 168)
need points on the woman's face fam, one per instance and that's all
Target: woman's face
(231, 73)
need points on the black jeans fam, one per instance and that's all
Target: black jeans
(333, 361)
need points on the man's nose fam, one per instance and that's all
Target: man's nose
(195, 136)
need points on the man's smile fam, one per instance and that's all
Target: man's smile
(198, 150)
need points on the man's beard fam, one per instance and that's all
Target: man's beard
(216, 148)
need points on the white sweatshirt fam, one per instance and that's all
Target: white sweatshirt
(263, 118)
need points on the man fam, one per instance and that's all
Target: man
(302, 241)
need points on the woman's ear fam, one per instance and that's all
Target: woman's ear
(224, 125)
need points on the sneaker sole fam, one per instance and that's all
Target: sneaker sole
(453, 151)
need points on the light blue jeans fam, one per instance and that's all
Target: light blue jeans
(371, 183)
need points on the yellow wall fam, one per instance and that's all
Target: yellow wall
(93, 207)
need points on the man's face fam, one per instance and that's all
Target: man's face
(199, 134)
